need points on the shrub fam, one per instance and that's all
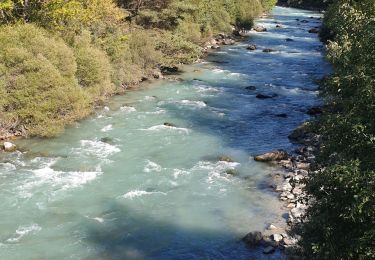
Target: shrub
(38, 85)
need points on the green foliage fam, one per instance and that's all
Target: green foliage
(91, 49)
(341, 220)
(38, 85)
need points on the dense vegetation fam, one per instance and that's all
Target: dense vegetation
(340, 224)
(60, 58)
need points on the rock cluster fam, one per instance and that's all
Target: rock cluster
(289, 182)
(220, 39)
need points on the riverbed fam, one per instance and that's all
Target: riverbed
(122, 184)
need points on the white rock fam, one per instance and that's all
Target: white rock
(271, 227)
(277, 237)
(9, 147)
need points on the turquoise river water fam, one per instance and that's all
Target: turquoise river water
(121, 185)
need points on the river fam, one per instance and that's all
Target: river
(122, 185)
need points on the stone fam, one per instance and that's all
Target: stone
(260, 29)
(251, 47)
(264, 96)
(251, 88)
(287, 187)
(268, 50)
(290, 196)
(289, 241)
(9, 147)
(269, 250)
(297, 191)
(169, 124)
(228, 42)
(271, 227)
(231, 172)
(277, 237)
(279, 26)
(296, 212)
(272, 156)
(314, 30)
(225, 158)
(289, 40)
(291, 206)
(253, 238)
(303, 166)
(107, 140)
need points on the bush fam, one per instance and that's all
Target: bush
(340, 222)
(38, 85)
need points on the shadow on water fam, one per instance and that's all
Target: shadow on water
(262, 124)
(126, 235)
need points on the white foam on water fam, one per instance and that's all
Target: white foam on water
(178, 172)
(216, 170)
(158, 128)
(218, 71)
(96, 148)
(198, 104)
(152, 167)
(157, 112)
(106, 108)
(23, 231)
(55, 181)
(139, 193)
(107, 128)
(149, 98)
(7, 167)
(128, 109)
(205, 89)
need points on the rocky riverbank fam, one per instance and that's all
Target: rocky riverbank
(288, 180)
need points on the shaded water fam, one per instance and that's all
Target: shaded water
(148, 191)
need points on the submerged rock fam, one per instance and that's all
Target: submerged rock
(283, 115)
(289, 40)
(268, 50)
(225, 158)
(264, 96)
(272, 156)
(107, 140)
(269, 250)
(314, 30)
(251, 88)
(9, 147)
(253, 238)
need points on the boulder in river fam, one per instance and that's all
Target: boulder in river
(289, 40)
(107, 140)
(253, 238)
(169, 124)
(260, 29)
(314, 30)
(277, 155)
(225, 158)
(9, 147)
(279, 26)
(264, 96)
(268, 50)
(251, 47)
